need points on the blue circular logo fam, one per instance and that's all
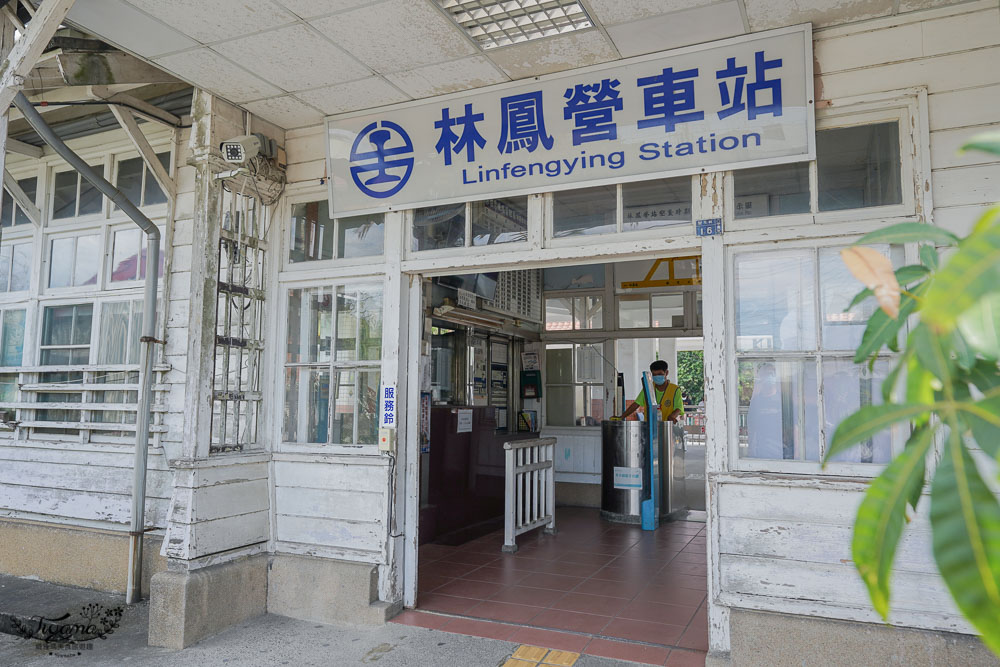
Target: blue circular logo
(381, 148)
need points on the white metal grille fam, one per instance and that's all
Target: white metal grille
(519, 293)
(495, 23)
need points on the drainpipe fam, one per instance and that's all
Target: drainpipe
(133, 591)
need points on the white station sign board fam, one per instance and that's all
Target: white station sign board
(736, 103)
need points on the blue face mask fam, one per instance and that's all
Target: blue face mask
(659, 380)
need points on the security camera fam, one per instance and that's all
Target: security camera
(241, 149)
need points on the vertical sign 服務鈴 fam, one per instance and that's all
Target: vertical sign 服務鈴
(387, 407)
(736, 103)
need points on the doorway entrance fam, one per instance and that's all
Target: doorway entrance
(557, 359)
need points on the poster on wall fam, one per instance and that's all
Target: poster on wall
(480, 390)
(425, 422)
(735, 103)
(464, 421)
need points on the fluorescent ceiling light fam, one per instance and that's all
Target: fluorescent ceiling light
(494, 23)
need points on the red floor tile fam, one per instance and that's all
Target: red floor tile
(421, 619)
(504, 611)
(672, 579)
(644, 631)
(428, 583)
(468, 626)
(681, 658)
(571, 620)
(444, 569)
(468, 588)
(627, 574)
(498, 575)
(658, 613)
(650, 655)
(616, 589)
(446, 603)
(698, 569)
(687, 597)
(470, 558)
(551, 581)
(432, 552)
(533, 597)
(697, 557)
(592, 604)
(551, 639)
(695, 637)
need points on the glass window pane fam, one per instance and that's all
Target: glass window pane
(312, 232)
(142, 258)
(344, 405)
(558, 314)
(661, 203)
(778, 413)
(307, 405)
(585, 211)
(560, 405)
(61, 262)
(113, 341)
(843, 330)
(20, 277)
(368, 384)
(5, 257)
(591, 405)
(361, 235)
(499, 220)
(8, 387)
(91, 199)
(347, 325)
(779, 190)
(30, 187)
(858, 166)
(64, 195)
(12, 347)
(775, 301)
(633, 312)
(57, 326)
(5, 212)
(370, 324)
(439, 227)
(848, 387)
(125, 255)
(668, 310)
(152, 194)
(129, 179)
(88, 255)
(589, 365)
(310, 325)
(135, 333)
(82, 317)
(559, 363)
(586, 276)
(589, 313)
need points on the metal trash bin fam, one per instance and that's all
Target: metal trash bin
(625, 470)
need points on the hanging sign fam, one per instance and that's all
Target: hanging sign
(735, 103)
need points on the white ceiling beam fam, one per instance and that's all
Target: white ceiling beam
(26, 203)
(15, 146)
(138, 107)
(29, 48)
(131, 127)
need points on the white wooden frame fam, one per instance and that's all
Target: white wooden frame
(109, 254)
(304, 196)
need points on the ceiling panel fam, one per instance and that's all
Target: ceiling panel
(127, 27)
(397, 35)
(610, 12)
(554, 54)
(449, 77)
(308, 9)
(353, 96)
(286, 111)
(670, 31)
(766, 14)
(293, 58)
(214, 20)
(207, 69)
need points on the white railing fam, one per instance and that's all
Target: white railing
(530, 490)
(78, 402)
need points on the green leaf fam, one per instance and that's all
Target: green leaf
(971, 273)
(909, 232)
(965, 357)
(868, 421)
(929, 257)
(966, 533)
(883, 330)
(892, 377)
(985, 375)
(988, 142)
(882, 517)
(980, 326)
(919, 386)
(931, 353)
(983, 419)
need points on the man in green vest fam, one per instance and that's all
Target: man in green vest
(667, 395)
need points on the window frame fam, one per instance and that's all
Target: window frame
(109, 255)
(308, 196)
(572, 295)
(818, 355)
(50, 195)
(101, 232)
(531, 221)
(147, 174)
(9, 295)
(602, 345)
(280, 365)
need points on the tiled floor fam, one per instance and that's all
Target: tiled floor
(595, 587)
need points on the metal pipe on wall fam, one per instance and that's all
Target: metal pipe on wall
(133, 590)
